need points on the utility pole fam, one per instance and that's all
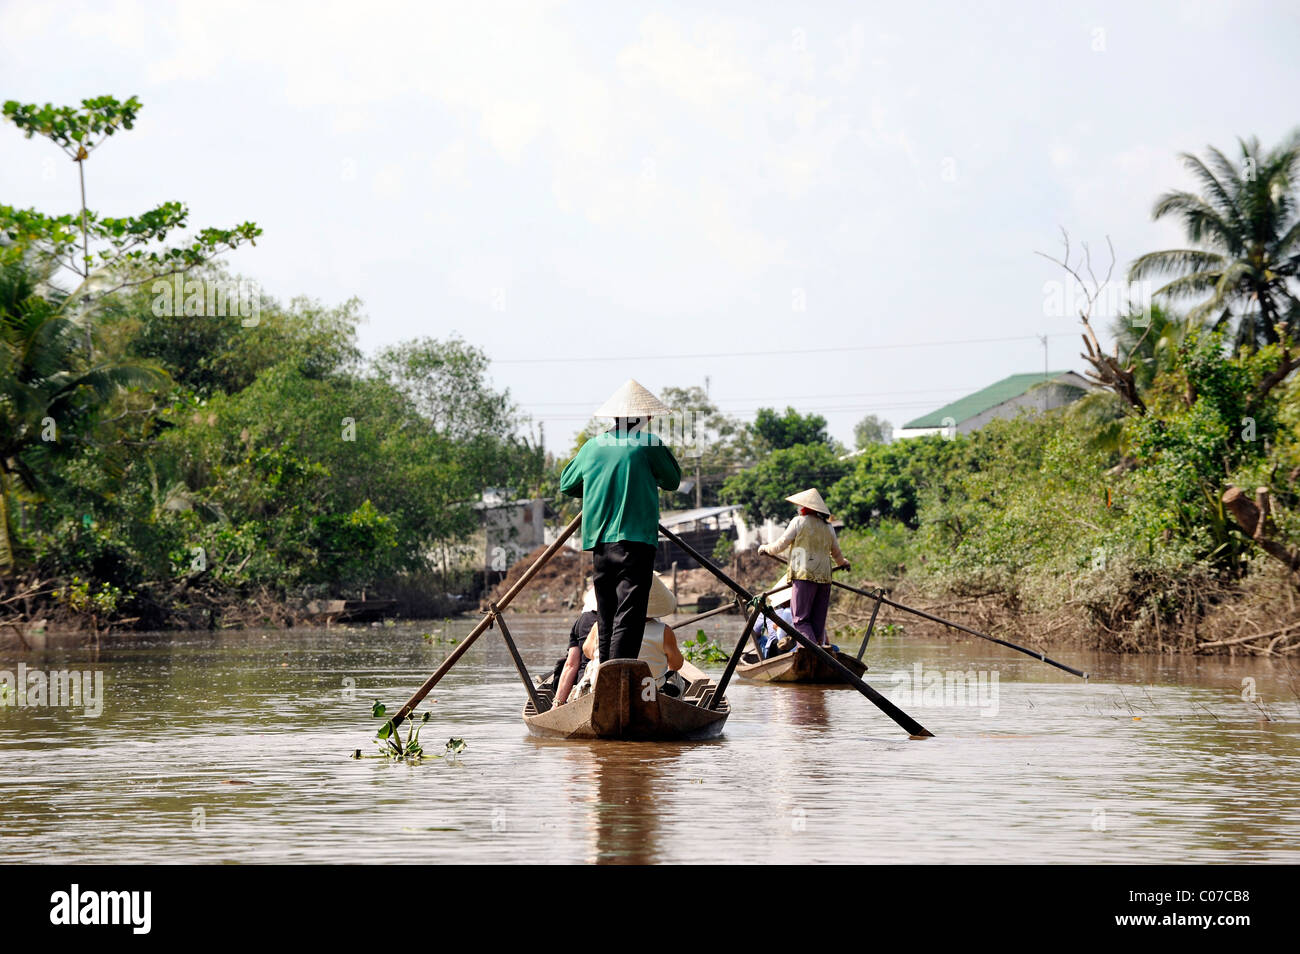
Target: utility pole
(1043, 339)
(699, 453)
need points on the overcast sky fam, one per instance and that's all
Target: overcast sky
(680, 190)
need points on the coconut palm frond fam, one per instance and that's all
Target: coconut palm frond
(1202, 312)
(1174, 260)
(1199, 283)
(1223, 202)
(1286, 250)
(1200, 220)
(50, 368)
(180, 498)
(104, 383)
(1227, 171)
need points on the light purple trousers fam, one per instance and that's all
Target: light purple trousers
(809, 604)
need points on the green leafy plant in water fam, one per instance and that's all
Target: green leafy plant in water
(389, 739)
(438, 636)
(703, 649)
(393, 746)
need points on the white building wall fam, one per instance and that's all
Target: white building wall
(751, 537)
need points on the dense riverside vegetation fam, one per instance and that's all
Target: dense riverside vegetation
(269, 462)
(1161, 504)
(163, 462)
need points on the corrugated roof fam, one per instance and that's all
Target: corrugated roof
(673, 518)
(965, 408)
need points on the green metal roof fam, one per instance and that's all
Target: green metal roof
(965, 408)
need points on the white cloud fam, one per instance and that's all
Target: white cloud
(515, 76)
(348, 121)
(389, 182)
(449, 165)
(705, 70)
(125, 24)
(19, 22)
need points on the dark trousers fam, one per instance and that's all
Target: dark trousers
(621, 577)
(809, 604)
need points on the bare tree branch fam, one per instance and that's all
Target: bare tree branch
(1107, 369)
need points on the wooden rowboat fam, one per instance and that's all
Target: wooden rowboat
(621, 708)
(802, 666)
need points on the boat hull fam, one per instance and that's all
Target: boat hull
(625, 707)
(804, 666)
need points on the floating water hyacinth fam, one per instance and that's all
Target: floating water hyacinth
(388, 738)
(702, 649)
(393, 746)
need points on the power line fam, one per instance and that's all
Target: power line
(680, 356)
(804, 408)
(789, 397)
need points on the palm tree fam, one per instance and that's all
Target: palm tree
(50, 380)
(1245, 238)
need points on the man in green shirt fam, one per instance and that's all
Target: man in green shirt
(618, 475)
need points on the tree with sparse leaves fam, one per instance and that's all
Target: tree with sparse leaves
(129, 250)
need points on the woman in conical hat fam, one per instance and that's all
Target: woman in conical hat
(618, 475)
(811, 541)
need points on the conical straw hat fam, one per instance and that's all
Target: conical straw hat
(662, 602)
(632, 400)
(811, 499)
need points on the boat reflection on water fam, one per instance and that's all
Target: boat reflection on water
(617, 793)
(800, 705)
(626, 815)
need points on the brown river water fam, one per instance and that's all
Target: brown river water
(235, 747)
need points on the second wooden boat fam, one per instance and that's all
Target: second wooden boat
(624, 706)
(801, 666)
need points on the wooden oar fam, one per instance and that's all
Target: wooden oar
(946, 622)
(727, 607)
(910, 725)
(485, 622)
(870, 626)
(734, 658)
(500, 621)
(691, 620)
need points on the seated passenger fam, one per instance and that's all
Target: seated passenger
(659, 648)
(772, 639)
(571, 668)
